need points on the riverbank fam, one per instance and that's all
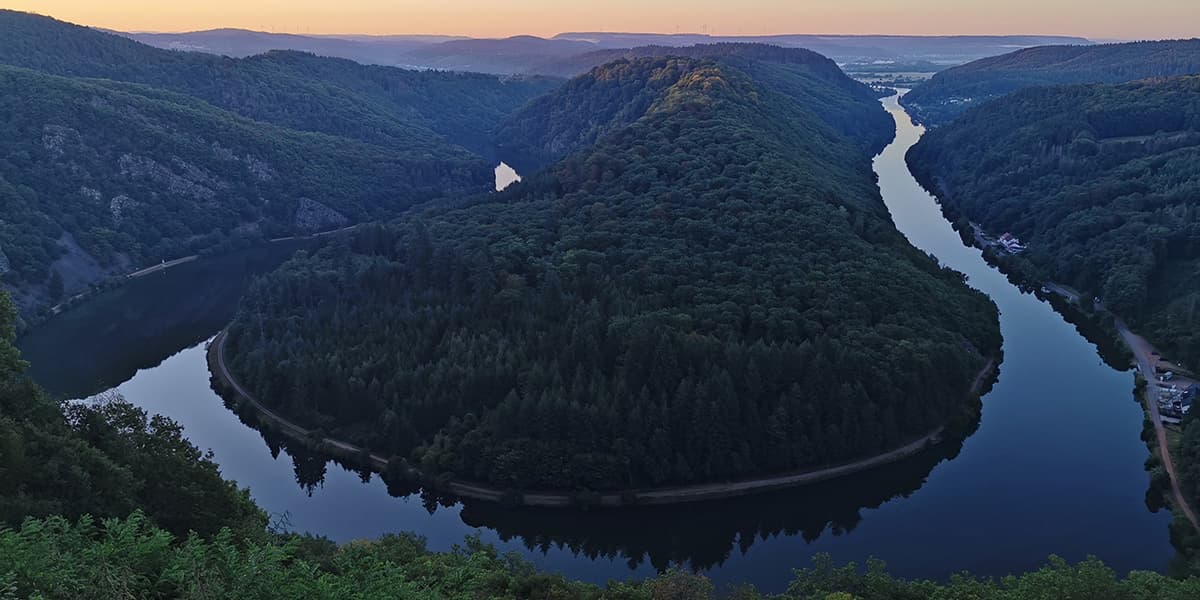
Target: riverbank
(1147, 358)
(117, 280)
(1070, 303)
(225, 383)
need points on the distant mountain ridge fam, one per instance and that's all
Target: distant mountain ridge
(525, 54)
(240, 43)
(954, 90)
(955, 48)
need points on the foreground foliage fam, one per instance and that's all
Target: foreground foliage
(105, 459)
(951, 92)
(712, 291)
(55, 558)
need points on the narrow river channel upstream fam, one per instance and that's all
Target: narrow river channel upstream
(1055, 466)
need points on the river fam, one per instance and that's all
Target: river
(1055, 466)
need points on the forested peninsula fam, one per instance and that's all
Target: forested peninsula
(711, 289)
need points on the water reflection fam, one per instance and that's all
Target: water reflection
(657, 536)
(704, 535)
(107, 339)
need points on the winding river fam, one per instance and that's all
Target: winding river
(1055, 466)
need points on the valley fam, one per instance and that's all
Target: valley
(1092, 479)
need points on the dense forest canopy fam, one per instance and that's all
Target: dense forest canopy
(1103, 184)
(98, 177)
(550, 128)
(411, 112)
(711, 291)
(160, 154)
(949, 93)
(54, 558)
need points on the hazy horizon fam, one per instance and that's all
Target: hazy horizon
(1099, 19)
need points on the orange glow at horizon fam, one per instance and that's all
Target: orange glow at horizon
(1118, 19)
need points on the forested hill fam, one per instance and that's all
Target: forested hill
(412, 112)
(1101, 181)
(160, 154)
(99, 177)
(582, 111)
(713, 291)
(952, 91)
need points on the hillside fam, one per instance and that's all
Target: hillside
(411, 112)
(121, 154)
(240, 43)
(528, 54)
(711, 290)
(1101, 182)
(98, 177)
(943, 49)
(949, 93)
(550, 127)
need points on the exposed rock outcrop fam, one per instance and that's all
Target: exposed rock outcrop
(119, 207)
(140, 167)
(57, 139)
(91, 193)
(312, 216)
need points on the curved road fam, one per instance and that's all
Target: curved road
(1143, 352)
(674, 495)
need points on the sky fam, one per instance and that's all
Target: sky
(1103, 19)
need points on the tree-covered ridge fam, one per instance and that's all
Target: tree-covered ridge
(1103, 184)
(418, 114)
(949, 93)
(98, 177)
(581, 112)
(464, 108)
(712, 292)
